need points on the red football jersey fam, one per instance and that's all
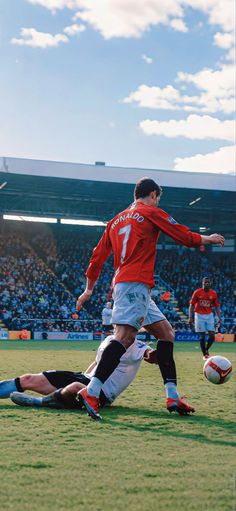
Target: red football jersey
(132, 236)
(203, 301)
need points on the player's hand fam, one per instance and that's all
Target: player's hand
(218, 324)
(190, 320)
(150, 356)
(82, 299)
(217, 239)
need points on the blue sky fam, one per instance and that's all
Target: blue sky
(141, 83)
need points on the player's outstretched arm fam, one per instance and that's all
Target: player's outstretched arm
(213, 239)
(86, 294)
(181, 233)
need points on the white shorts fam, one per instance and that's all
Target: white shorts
(204, 322)
(133, 305)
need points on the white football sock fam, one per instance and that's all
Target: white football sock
(171, 390)
(94, 387)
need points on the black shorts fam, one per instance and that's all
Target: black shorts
(61, 379)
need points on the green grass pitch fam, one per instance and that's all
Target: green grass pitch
(139, 458)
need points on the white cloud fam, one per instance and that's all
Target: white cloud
(131, 18)
(218, 88)
(154, 97)
(220, 12)
(179, 25)
(74, 29)
(220, 161)
(224, 40)
(54, 5)
(147, 59)
(195, 127)
(216, 92)
(35, 39)
(220, 81)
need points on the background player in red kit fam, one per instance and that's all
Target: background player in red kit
(201, 303)
(132, 236)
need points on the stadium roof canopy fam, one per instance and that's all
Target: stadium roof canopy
(98, 192)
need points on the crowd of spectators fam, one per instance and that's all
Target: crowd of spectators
(40, 280)
(41, 275)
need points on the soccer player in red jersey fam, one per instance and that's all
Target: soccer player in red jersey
(202, 301)
(132, 236)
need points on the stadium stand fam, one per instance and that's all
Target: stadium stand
(41, 276)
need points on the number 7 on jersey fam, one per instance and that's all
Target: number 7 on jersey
(126, 231)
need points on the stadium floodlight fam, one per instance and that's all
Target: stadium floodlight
(23, 218)
(194, 201)
(91, 223)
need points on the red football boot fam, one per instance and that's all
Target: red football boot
(91, 403)
(179, 405)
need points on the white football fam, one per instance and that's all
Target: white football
(217, 369)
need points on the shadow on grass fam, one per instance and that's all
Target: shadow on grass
(162, 428)
(174, 434)
(155, 422)
(117, 411)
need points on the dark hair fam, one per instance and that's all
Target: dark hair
(144, 187)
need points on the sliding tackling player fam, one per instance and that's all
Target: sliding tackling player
(62, 387)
